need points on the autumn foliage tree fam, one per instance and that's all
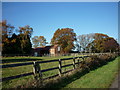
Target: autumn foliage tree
(13, 43)
(99, 36)
(35, 41)
(65, 38)
(42, 41)
(103, 43)
(111, 45)
(7, 31)
(39, 41)
(24, 37)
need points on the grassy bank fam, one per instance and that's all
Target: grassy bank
(98, 78)
(76, 81)
(6, 72)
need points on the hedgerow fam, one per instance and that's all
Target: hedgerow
(90, 63)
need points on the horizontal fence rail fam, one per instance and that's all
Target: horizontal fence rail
(17, 76)
(30, 63)
(15, 65)
(37, 70)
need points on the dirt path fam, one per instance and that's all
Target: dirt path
(116, 83)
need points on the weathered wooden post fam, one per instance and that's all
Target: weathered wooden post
(78, 61)
(60, 67)
(83, 58)
(73, 63)
(37, 71)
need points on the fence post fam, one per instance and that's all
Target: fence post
(83, 58)
(73, 63)
(37, 71)
(78, 61)
(60, 67)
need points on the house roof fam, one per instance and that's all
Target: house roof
(43, 48)
(55, 46)
(46, 47)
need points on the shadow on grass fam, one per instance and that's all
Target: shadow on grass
(62, 82)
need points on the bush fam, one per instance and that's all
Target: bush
(90, 63)
(96, 61)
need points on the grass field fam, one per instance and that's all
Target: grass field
(98, 78)
(6, 72)
(94, 79)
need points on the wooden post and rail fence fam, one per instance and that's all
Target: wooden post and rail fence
(37, 72)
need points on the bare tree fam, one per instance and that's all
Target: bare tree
(84, 40)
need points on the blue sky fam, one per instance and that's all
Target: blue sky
(46, 17)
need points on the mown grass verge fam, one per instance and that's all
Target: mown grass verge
(98, 78)
(88, 77)
(90, 64)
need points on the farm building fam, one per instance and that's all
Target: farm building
(54, 50)
(51, 50)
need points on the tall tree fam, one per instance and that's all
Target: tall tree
(24, 37)
(15, 44)
(16, 49)
(84, 40)
(103, 43)
(99, 36)
(42, 41)
(99, 40)
(65, 38)
(111, 45)
(39, 41)
(7, 29)
(26, 31)
(35, 41)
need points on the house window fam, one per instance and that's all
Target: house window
(58, 48)
(35, 54)
(52, 51)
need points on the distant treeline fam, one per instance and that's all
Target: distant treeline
(13, 43)
(17, 41)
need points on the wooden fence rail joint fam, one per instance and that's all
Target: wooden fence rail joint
(37, 71)
(60, 67)
(73, 62)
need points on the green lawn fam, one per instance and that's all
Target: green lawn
(6, 72)
(99, 78)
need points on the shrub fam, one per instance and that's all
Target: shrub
(96, 61)
(90, 63)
